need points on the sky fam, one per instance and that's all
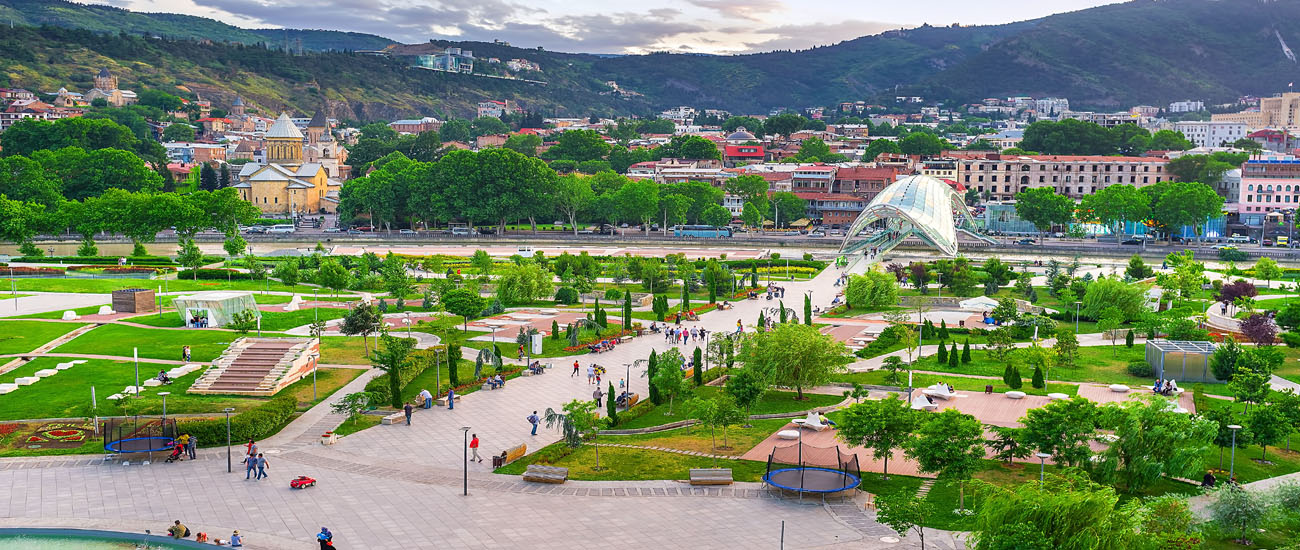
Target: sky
(615, 26)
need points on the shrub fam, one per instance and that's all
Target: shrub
(613, 294)
(1011, 376)
(1140, 368)
(378, 387)
(1291, 339)
(566, 295)
(256, 423)
(215, 274)
(1128, 339)
(1024, 327)
(1037, 380)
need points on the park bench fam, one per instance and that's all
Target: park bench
(442, 401)
(940, 391)
(510, 455)
(546, 474)
(711, 476)
(398, 417)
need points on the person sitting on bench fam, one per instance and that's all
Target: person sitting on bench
(162, 377)
(497, 382)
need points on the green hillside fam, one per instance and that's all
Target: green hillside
(110, 19)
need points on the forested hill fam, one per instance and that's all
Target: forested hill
(1113, 56)
(170, 25)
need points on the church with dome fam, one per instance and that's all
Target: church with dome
(293, 179)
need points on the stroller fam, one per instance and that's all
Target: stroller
(177, 449)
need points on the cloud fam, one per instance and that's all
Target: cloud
(745, 9)
(800, 37)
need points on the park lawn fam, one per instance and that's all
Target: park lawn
(344, 350)
(738, 440)
(1100, 364)
(58, 314)
(119, 340)
(168, 319)
(629, 464)
(284, 320)
(357, 423)
(25, 336)
(105, 286)
(1290, 368)
(65, 394)
(959, 383)
(772, 402)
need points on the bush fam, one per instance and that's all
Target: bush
(1140, 368)
(566, 295)
(1037, 381)
(887, 339)
(1232, 255)
(613, 294)
(1024, 327)
(215, 274)
(378, 387)
(256, 423)
(1291, 339)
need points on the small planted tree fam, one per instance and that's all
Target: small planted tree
(1037, 380)
(942, 356)
(362, 320)
(746, 387)
(905, 513)
(697, 369)
(351, 405)
(892, 365)
(1238, 510)
(243, 321)
(393, 357)
(965, 351)
(949, 444)
(668, 379)
(880, 426)
(611, 405)
(576, 421)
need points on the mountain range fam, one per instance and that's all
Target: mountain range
(1108, 57)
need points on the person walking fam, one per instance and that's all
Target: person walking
(325, 538)
(591, 373)
(534, 420)
(185, 354)
(407, 411)
(250, 466)
(251, 448)
(191, 446)
(597, 395)
(261, 466)
(575, 368)
(451, 398)
(473, 448)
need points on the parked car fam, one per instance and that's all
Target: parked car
(1026, 241)
(355, 232)
(364, 228)
(1131, 241)
(1268, 242)
(406, 232)
(256, 229)
(333, 230)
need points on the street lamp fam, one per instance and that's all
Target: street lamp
(164, 395)
(1232, 465)
(1042, 466)
(1076, 316)
(407, 320)
(228, 410)
(465, 456)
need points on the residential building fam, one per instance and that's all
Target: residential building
(1268, 184)
(815, 177)
(1279, 111)
(191, 153)
(1000, 177)
(491, 140)
(284, 183)
(864, 181)
(836, 210)
(493, 108)
(1108, 120)
(15, 94)
(416, 126)
(940, 168)
(681, 115)
(743, 154)
(851, 130)
(1277, 141)
(522, 65)
(31, 108)
(1051, 106)
(1211, 134)
(1006, 139)
(1149, 111)
(1188, 106)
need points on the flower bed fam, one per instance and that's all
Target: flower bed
(19, 271)
(120, 270)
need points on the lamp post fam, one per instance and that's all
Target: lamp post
(627, 385)
(465, 456)
(407, 320)
(228, 410)
(164, 395)
(1042, 466)
(315, 364)
(1076, 316)
(1232, 465)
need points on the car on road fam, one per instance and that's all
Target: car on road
(355, 232)
(364, 228)
(406, 232)
(1224, 247)
(1025, 241)
(1131, 241)
(255, 230)
(1268, 242)
(816, 234)
(333, 230)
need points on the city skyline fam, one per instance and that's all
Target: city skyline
(698, 26)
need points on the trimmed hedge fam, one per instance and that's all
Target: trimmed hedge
(256, 423)
(1140, 368)
(215, 274)
(378, 388)
(98, 260)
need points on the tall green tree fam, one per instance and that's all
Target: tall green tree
(1042, 207)
(794, 355)
(949, 444)
(879, 425)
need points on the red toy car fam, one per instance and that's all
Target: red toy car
(301, 482)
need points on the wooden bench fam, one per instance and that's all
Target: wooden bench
(546, 474)
(509, 456)
(711, 476)
(632, 400)
(398, 417)
(442, 401)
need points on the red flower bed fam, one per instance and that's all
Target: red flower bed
(25, 270)
(620, 334)
(120, 270)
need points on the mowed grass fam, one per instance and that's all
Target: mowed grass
(878, 378)
(1103, 364)
(67, 394)
(120, 340)
(25, 336)
(58, 314)
(736, 440)
(772, 402)
(104, 286)
(631, 464)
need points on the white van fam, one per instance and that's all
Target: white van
(460, 230)
(281, 228)
(1238, 239)
(526, 251)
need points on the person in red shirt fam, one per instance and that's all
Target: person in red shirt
(473, 448)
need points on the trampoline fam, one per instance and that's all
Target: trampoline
(800, 469)
(130, 435)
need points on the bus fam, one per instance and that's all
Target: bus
(701, 231)
(281, 228)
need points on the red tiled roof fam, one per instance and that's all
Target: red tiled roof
(863, 172)
(735, 151)
(816, 168)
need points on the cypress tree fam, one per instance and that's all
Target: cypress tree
(781, 304)
(698, 360)
(952, 357)
(943, 331)
(1006, 375)
(627, 310)
(651, 366)
(611, 405)
(1037, 381)
(1015, 379)
(807, 309)
(965, 351)
(943, 353)
(1128, 339)
(762, 322)
(686, 297)
(555, 330)
(453, 359)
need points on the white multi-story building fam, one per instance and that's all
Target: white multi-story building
(1051, 106)
(1211, 134)
(1187, 106)
(681, 115)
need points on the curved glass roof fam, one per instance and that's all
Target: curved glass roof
(916, 205)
